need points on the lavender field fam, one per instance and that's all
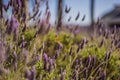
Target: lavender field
(43, 51)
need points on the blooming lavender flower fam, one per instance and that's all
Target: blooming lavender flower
(46, 63)
(51, 64)
(28, 74)
(45, 57)
(33, 73)
(19, 3)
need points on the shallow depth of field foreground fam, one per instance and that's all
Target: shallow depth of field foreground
(31, 48)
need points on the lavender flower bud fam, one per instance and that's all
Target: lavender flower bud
(67, 10)
(88, 61)
(83, 18)
(93, 60)
(98, 72)
(118, 45)
(57, 54)
(77, 16)
(63, 75)
(2, 53)
(103, 77)
(85, 73)
(75, 75)
(15, 60)
(107, 56)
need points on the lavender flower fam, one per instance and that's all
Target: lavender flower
(75, 75)
(93, 60)
(85, 73)
(88, 61)
(60, 46)
(57, 54)
(51, 64)
(45, 57)
(69, 18)
(103, 77)
(67, 10)
(15, 60)
(46, 63)
(33, 73)
(63, 75)
(19, 3)
(83, 18)
(77, 16)
(2, 53)
(28, 74)
(107, 56)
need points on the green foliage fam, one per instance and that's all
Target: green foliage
(29, 34)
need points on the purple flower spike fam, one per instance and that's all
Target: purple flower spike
(19, 3)
(60, 46)
(77, 62)
(94, 60)
(28, 74)
(33, 74)
(15, 56)
(107, 56)
(51, 61)
(45, 57)
(57, 54)
(88, 61)
(103, 77)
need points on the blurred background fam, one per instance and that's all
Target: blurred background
(91, 10)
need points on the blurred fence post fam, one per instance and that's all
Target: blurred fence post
(59, 12)
(26, 12)
(92, 14)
